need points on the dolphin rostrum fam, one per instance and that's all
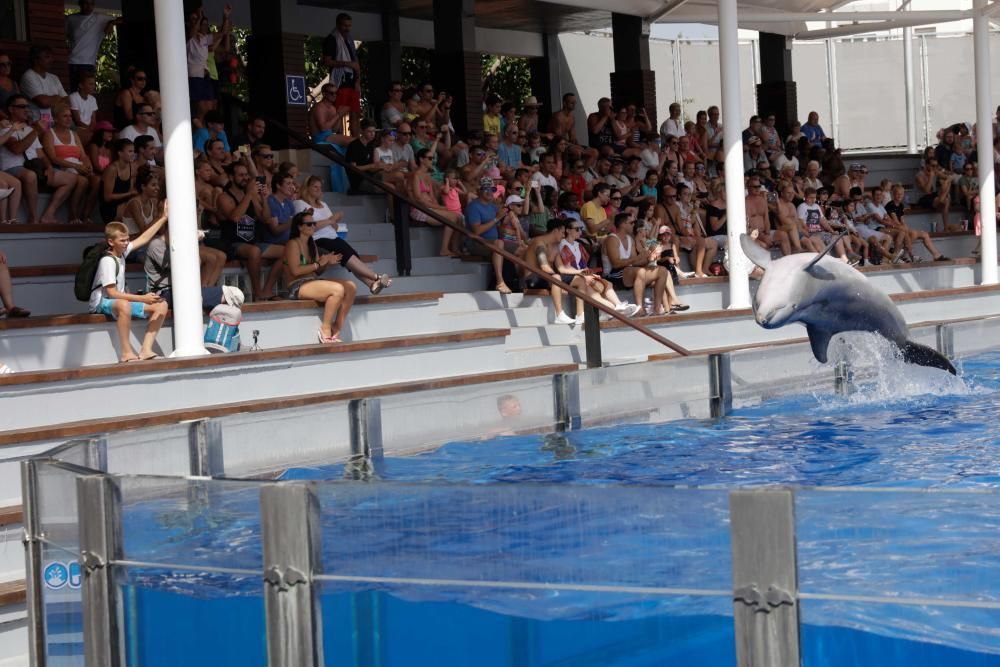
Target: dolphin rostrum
(828, 297)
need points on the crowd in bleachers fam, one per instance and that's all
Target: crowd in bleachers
(613, 213)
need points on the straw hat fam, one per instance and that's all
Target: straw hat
(532, 101)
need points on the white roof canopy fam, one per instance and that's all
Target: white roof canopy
(787, 17)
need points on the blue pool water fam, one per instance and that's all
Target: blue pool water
(537, 516)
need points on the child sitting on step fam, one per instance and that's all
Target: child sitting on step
(109, 297)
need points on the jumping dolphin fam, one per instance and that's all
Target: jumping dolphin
(828, 296)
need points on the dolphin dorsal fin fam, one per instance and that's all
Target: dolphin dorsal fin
(754, 252)
(825, 252)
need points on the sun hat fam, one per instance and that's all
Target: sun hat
(532, 101)
(104, 125)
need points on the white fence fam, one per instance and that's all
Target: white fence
(867, 81)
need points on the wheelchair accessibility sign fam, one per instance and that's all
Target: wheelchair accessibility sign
(295, 90)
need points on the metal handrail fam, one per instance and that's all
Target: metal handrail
(335, 157)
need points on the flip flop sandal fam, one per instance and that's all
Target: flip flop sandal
(155, 356)
(17, 311)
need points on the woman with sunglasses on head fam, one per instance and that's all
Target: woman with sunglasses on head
(327, 239)
(303, 265)
(130, 98)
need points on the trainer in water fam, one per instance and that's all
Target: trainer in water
(828, 297)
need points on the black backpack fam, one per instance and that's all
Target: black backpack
(84, 283)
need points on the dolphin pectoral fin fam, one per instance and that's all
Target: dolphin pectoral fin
(819, 340)
(754, 252)
(921, 355)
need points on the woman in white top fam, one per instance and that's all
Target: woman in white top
(811, 179)
(327, 240)
(200, 43)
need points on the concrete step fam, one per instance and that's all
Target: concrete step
(119, 390)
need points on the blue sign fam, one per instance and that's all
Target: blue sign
(74, 574)
(295, 90)
(55, 575)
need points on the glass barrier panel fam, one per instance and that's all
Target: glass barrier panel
(396, 625)
(650, 392)
(255, 443)
(552, 534)
(420, 420)
(57, 504)
(63, 606)
(916, 566)
(183, 617)
(760, 374)
(974, 336)
(191, 522)
(162, 450)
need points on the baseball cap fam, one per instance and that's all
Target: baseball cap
(486, 184)
(514, 199)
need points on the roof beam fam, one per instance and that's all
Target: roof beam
(668, 7)
(932, 16)
(859, 28)
(990, 10)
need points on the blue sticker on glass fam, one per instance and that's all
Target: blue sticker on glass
(55, 575)
(74, 574)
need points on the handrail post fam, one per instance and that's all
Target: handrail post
(592, 335)
(365, 417)
(566, 401)
(765, 579)
(99, 518)
(205, 458)
(33, 564)
(720, 384)
(401, 220)
(290, 532)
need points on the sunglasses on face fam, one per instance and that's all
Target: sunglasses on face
(616, 199)
(308, 224)
(404, 134)
(266, 156)
(18, 106)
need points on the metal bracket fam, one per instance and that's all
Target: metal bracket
(284, 581)
(92, 562)
(772, 599)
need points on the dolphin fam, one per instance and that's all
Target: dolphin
(828, 297)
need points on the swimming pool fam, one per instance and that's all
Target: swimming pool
(611, 545)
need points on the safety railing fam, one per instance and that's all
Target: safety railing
(402, 204)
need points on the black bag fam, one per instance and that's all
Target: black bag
(84, 282)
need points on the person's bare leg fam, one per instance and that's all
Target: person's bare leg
(945, 210)
(556, 295)
(6, 288)
(497, 260)
(13, 201)
(659, 288)
(639, 287)
(250, 255)
(670, 290)
(29, 181)
(212, 263)
(350, 291)
(76, 200)
(361, 270)
(781, 238)
(157, 313)
(928, 243)
(123, 322)
(275, 252)
(63, 182)
(699, 260)
(91, 205)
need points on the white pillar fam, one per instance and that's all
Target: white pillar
(911, 111)
(831, 80)
(732, 136)
(185, 273)
(984, 144)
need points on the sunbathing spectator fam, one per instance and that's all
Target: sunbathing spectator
(483, 220)
(303, 266)
(788, 222)
(812, 131)
(896, 220)
(83, 105)
(128, 100)
(528, 122)
(328, 240)
(8, 85)
(118, 180)
(934, 186)
(758, 217)
(968, 187)
(691, 235)
(421, 189)
(326, 119)
(39, 85)
(541, 256)
(341, 58)
(9, 309)
(241, 207)
(71, 168)
(600, 131)
(773, 145)
(562, 124)
(109, 296)
(255, 130)
(626, 267)
(200, 43)
(86, 30)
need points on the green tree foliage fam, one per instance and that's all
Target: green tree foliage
(507, 77)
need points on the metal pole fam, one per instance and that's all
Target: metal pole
(592, 335)
(95, 453)
(831, 81)
(732, 121)
(205, 448)
(984, 145)
(843, 378)
(365, 417)
(911, 110)
(185, 274)
(99, 517)
(765, 580)
(290, 531)
(33, 564)
(720, 381)
(566, 401)
(925, 76)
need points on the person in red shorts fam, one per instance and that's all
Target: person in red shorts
(341, 57)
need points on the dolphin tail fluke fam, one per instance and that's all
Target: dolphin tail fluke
(915, 353)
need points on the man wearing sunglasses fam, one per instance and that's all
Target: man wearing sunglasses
(145, 117)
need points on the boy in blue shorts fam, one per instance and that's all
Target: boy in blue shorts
(109, 297)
